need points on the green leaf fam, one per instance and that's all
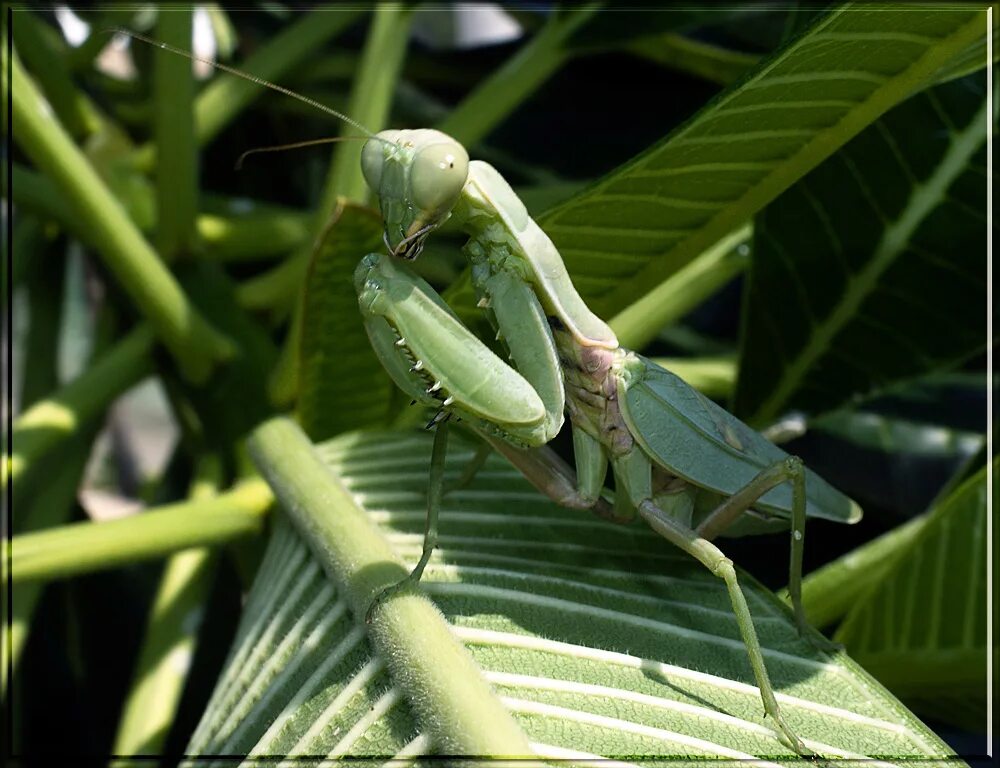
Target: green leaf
(870, 270)
(598, 639)
(648, 218)
(342, 385)
(922, 629)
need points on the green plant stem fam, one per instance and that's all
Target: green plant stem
(828, 593)
(712, 376)
(262, 231)
(520, 76)
(371, 98)
(173, 117)
(445, 688)
(171, 635)
(269, 231)
(49, 421)
(34, 192)
(225, 98)
(637, 325)
(86, 547)
(715, 64)
(51, 506)
(192, 341)
(48, 60)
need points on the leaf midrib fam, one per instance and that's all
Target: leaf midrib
(787, 172)
(924, 198)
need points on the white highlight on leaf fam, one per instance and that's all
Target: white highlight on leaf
(299, 655)
(257, 634)
(588, 759)
(667, 672)
(513, 680)
(624, 726)
(617, 596)
(418, 746)
(385, 702)
(619, 617)
(364, 676)
(308, 689)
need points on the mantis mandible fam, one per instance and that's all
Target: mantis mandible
(690, 469)
(686, 466)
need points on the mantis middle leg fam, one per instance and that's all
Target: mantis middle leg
(789, 471)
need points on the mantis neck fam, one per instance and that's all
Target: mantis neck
(495, 219)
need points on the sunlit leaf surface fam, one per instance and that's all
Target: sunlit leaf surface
(600, 639)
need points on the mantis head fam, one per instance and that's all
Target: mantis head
(418, 176)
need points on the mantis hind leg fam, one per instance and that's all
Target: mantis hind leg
(713, 558)
(791, 471)
(633, 474)
(434, 493)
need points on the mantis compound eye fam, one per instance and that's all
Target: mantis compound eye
(373, 155)
(438, 174)
(372, 160)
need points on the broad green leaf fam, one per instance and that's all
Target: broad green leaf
(922, 630)
(651, 216)
(599, 639)
(341, 383)
(871, 269)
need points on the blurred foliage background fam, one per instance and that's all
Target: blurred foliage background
(892, 410)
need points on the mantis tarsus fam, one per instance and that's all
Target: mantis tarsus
(682, 463)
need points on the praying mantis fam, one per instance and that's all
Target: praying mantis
(683, 464)
(690, 469)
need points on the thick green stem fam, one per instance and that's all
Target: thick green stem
(177, 171)
(520, 76)
(48, 60)
(86, 547)
(49, 421)
(637, 325)
(452, 702)
(193, 342)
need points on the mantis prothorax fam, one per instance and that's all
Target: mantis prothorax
(686, 466)
(691, 470)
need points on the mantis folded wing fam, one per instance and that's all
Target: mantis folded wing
(686, 466)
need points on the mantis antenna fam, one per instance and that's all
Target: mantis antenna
(296, 145)
(246, 76)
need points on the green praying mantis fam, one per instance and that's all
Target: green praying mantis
(690, 469)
